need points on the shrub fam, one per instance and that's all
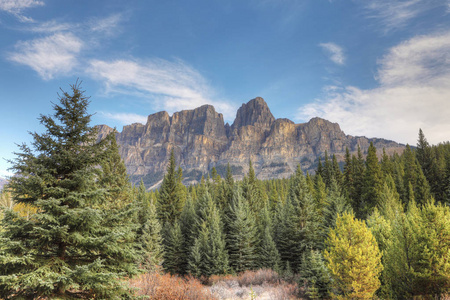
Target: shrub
(258, 277)
(170, 287)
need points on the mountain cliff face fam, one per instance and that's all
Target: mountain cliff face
(201, 140)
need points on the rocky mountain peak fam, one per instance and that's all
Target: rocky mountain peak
(256, 113)
(201, 140)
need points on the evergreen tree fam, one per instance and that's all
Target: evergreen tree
(336, 205)
(413, 175)
(269, 257)
(373, 182)
(149, 232)
(188, 220)
(353, 259)
(328, 171)
(320, 168)
(114, 177)
(208, 255)
(348, 184)
(386, 164)
(337, 174)
(320, 193)
(358, 180)
(174, 254)
(424, 155)
(315, 275)
(75, 245)
(242, 235)
(170, 201)
(252, 191)
(298, 222)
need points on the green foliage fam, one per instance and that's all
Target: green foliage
(114, 177)
(76, 244)
(174, 254)
(171, 197)
(208, 255)
(353, 259)
(242, 235)
(373, 182)
(149, 232)
(417, 254)
(298, 222)
(315, 275)
(335, 205)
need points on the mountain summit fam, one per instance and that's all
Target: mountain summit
(201, 140)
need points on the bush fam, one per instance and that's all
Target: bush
(259, 277)
(264, 283)
(170, 287)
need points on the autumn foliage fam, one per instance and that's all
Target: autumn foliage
(170, 287)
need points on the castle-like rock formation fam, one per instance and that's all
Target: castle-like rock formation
(201, 140)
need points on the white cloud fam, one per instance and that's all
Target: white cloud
(52, 27)
(108, 25)
(125, 118)
(335, 52)
(49, 56)
(396, 14)
(171, 86)
(413, 93)
(15, 7)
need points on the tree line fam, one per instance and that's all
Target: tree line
(373, 228)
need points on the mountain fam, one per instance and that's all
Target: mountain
(201, 140)
(3, 182)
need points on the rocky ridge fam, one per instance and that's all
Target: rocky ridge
(201, 140)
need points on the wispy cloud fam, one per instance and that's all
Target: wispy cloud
(108, 26)
(52, 26)
(334, 52)
(170, 85)
(15, 7)
(125, 118)
(60, 51)
(413, 93)
(396, 14)
(49, 56)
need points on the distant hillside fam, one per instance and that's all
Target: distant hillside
(201, 140)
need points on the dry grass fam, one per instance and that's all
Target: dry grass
(168, 287)
(261, 284)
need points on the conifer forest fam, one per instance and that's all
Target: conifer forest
(74, 227)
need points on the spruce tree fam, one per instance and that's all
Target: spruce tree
(174, 254)
(315, 275)
(298, 222)
(170, 201)
(114, 177)
(373, 181)
(335, 206)
(358, 181)
(348, 185)
(242, 235)
(208, 254)
(150, 241)
(75, 245)
(187, 224)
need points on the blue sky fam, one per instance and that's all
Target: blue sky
(380, 68)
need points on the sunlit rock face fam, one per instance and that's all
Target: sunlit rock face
(201, 140)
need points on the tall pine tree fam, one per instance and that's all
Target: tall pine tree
(75, 245)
